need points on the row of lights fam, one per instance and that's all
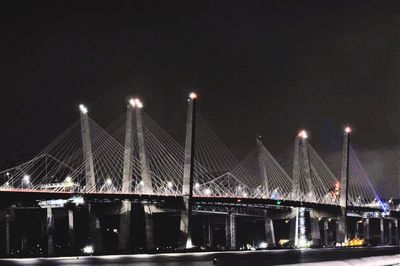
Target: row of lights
(134, 102)
(303, 134)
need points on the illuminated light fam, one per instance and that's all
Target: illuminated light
(138, 103)
(347, 130)
(132, 102)
(207, 191)
(7, 174)
(26, 178)
(197, 186)
(88, 250)
(303, 134)
(279, 202)
(244, 194)
(7, 184)
(189, 244)
(141, 183)
(108, 181)
(262, 245)
(169, 184)
(83, 109)
(192, 95)
(68, 179)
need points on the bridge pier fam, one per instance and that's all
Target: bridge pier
(94, 230)
(209, 231)
(71, 229)
(366, 231)
(230, 231)
(315, 232)
(125, 225)
(326, 232)
(396, 232)
(149, 223)
(269, 231)
(50, 230)
(7, 234)
(390, 240)
(382, 231)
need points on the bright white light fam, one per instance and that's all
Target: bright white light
(169, 184)
(189, 244)
(138, 103)
(244, 194)
(132, 102)
(192, 95)
(7, 184)
(83, 109)
(7, 174)
(197, 186)
(109, 181)
(141, 183)
(88, 250)
(68, 179)
(303, 134)
(262, 245)
(26, 178)
(347, 130)
(207, 191)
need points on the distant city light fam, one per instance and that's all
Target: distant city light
(83, 109)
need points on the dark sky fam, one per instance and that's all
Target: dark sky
(268, 67)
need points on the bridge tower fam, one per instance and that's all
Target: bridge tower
(145, 173)
(187, 189)
(87, 150)
(341, 226)
(94, 222)
(261, 165)
(126, 205)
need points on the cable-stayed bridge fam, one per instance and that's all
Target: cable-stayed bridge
(136, 159)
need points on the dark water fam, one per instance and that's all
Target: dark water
(268, 257)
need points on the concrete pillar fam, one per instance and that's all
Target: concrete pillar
(148, 218)
(50, 231)
(396, 232)
(326, 232)
(87, 151)
(344, 185)
(382, 231)
(315, 232)
(261, 165)
(269, 232)
(293, 232)
(390, 232)
(95, 231)
(187, 189)
(230, 231)
(124, 233)
(144, 163)
(296, 170)
(341, 235)
(210, 231)
(71, 229)
(366, 231)
(307, 168)
(7, 233)
(128, 153)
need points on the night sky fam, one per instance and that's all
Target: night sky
(268, 68)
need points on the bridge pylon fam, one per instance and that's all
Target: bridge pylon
(341, 234)
(187, 189)
(261, 165)
(87, 151)
(126, 205)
